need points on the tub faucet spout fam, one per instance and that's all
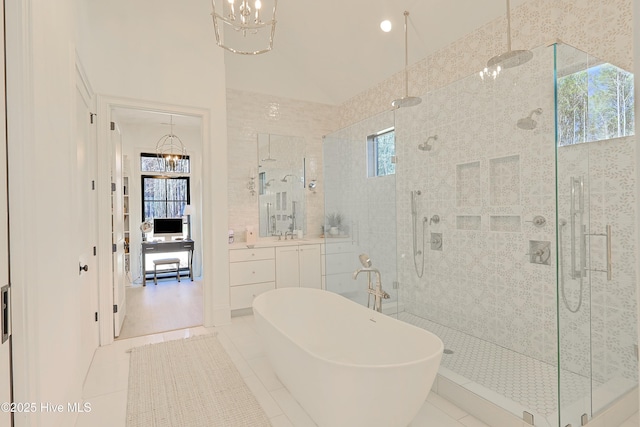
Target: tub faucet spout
(378, 293)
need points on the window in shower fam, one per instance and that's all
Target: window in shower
(594, 103)
(381, 153)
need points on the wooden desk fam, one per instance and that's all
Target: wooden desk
(166, 247)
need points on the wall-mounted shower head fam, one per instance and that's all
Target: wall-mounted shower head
(527, 123)
(365, 260)
(425, 146)
(284, 179)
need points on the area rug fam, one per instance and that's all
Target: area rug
(190, 382)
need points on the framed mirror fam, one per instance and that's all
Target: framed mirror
(281, 184)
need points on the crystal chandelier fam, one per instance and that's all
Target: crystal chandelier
(170, 150)
(245, 27)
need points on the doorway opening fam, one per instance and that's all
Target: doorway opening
(147, 200)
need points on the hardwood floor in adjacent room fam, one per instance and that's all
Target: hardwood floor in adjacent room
(167, 306)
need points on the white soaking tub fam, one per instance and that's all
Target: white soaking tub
(345, 364)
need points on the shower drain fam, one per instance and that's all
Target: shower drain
(447, 351)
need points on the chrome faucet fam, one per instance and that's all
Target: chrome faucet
(378, 293)
(288, 233)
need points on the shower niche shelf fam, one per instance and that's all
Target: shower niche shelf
(468, 222)
(468, 184)
(507, 223)
(504, 181)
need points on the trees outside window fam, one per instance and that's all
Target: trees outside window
(381, 149)
(595, 104)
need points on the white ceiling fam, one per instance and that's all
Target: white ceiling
(328, 51)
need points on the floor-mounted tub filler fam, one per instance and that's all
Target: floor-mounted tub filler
(345, 364)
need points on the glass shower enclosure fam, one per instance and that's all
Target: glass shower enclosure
(506, 229)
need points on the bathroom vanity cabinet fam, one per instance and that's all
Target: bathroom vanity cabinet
(253, 271)
(298, 266)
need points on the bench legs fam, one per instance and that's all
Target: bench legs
(155, 272)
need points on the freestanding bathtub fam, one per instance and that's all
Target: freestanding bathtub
(345, 364)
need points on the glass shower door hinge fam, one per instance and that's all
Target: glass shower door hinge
(527, 417)
(584, 420)
(394, 159)
(396, 285)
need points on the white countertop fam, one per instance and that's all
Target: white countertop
(268, 242)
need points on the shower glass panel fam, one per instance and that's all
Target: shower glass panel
(360, 212)
(500, 236)
(488, 288)
(596, 192)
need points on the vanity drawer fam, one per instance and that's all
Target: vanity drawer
(247, 272)
(236, 255)
(242, 296)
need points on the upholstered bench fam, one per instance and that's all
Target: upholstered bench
(166, 261)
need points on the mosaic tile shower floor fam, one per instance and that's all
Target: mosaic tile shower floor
(529, 382)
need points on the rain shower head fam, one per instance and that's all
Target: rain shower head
(365, 260)
(527, 123)
(510, 58)
(425, 146)
(406, 100)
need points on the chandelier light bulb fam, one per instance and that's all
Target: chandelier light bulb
(385, 25)
(253, 20)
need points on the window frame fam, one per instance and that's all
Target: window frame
(166, 201)
(373, 161)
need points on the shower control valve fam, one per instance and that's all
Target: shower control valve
(436, 241)
(538, 221)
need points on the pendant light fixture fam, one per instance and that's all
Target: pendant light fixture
(170, 150)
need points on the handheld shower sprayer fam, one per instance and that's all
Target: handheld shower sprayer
(365, 260)
(414, 193)
(414, 223)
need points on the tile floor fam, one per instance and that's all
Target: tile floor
(106, 383)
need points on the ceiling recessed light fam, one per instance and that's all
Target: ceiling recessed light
(385, 25)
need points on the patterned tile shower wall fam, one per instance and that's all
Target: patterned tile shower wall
(603, 29)
(249, 114)
(486, 180)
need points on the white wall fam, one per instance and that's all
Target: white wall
(42, 167)
(129, 52)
